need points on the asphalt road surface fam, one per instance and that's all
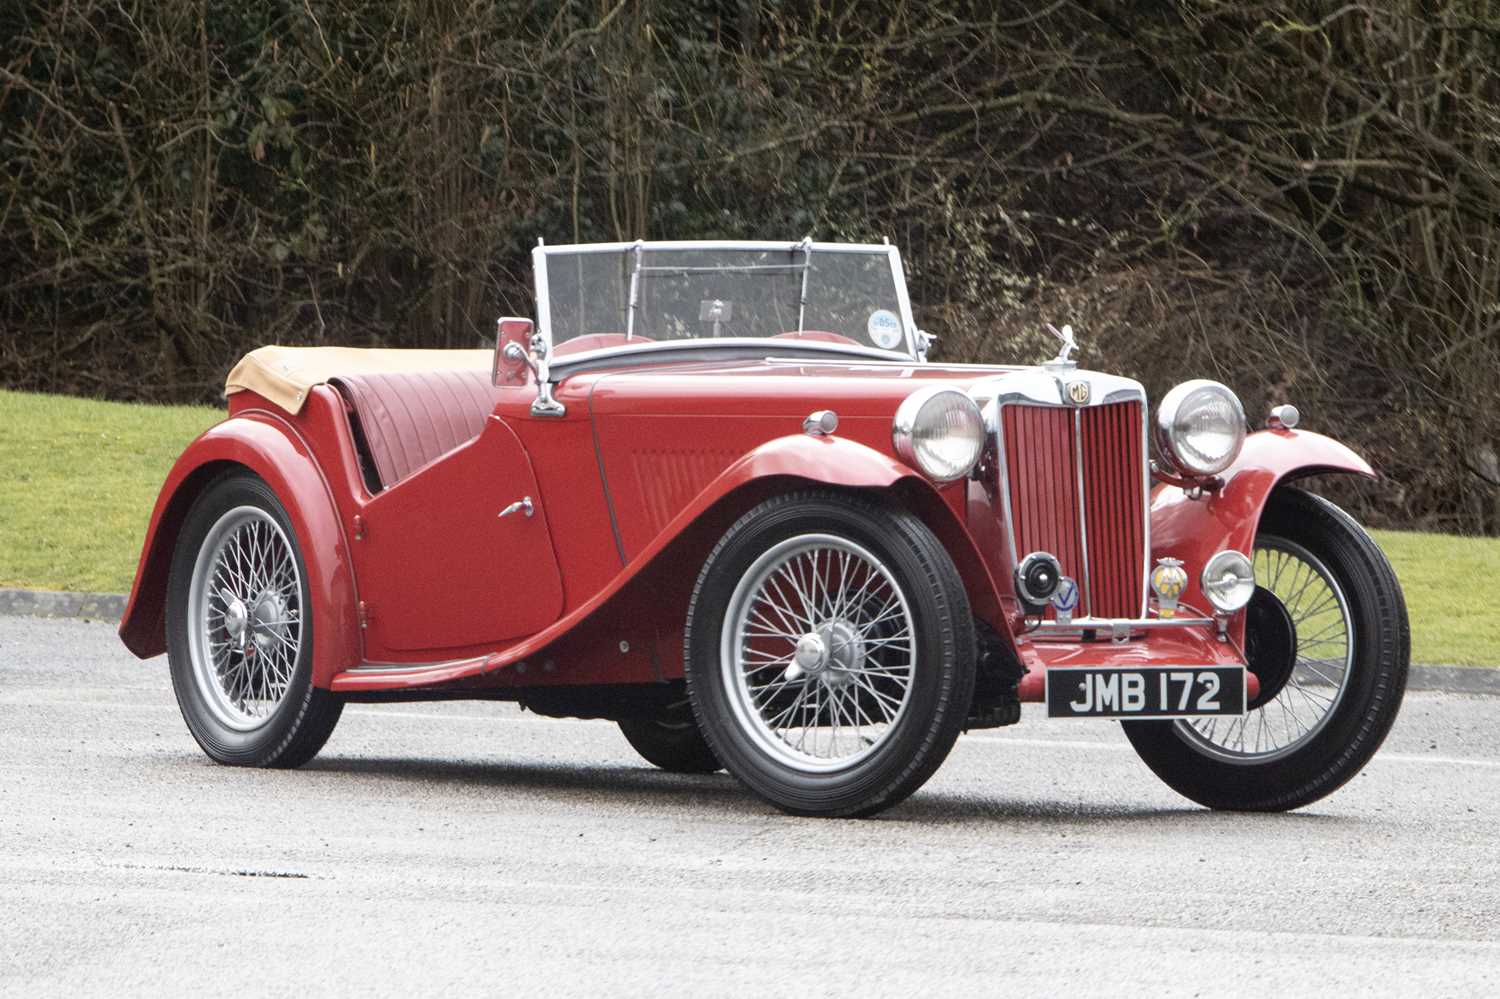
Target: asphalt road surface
(471, 849)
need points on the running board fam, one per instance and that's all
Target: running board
(394, 676)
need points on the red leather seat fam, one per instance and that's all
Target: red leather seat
(409, 419)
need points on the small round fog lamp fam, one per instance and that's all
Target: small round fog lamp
(1228, 581)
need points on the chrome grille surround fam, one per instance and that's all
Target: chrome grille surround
(1048, 386)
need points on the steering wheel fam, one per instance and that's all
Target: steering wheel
(598, 341)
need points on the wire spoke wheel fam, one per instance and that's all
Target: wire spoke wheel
(819, 649)
(245, 617)
(1326, 634)
(1310, 693)
(830, 652)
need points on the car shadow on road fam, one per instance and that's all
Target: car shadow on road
(945, 807)
(598, 783)
(625, 784)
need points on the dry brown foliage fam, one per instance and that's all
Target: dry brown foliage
(1300, 198)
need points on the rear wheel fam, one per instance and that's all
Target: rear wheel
(672, 743)
(830, 653)
(240, 631)
(1327, 637)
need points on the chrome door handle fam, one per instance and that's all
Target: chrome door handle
(522, 505)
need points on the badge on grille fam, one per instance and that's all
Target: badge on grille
(1065, 600)
(1168, 580)
(1078, 392)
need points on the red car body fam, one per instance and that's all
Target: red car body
(536, 531)
(605, 564)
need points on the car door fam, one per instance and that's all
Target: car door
(440, 568)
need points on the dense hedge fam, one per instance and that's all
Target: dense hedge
(1300, 198)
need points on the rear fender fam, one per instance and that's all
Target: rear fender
(271, 448)
(1194, 530)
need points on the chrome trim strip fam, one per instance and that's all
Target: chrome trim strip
(1046, 385)
(609, 499)
(998, 370)
(724, 269)
(996, 428)
(1109, 623)
(539, 282)
(785, 246)
(725, 348)
(903, 302)
(1083, 514)
(806, 270)
(367, 668)
(635, 296)
(1146, 502)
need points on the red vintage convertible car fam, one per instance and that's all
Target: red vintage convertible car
(717, 494)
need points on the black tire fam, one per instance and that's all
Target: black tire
(940, 679)
(1380, 647)
(674, 744)
(298, 726)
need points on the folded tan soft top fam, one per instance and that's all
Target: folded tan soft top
(285, 374)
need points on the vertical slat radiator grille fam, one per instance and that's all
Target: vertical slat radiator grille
(1098, 536)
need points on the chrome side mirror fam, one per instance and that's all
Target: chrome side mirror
(521, 352)
(511, 369)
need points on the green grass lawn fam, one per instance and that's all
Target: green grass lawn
(1452, 588)
(78, 480)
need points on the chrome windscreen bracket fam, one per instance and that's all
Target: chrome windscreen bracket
(806, 247)
(637, 249)
(537, 359)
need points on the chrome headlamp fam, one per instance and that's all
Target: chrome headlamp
(939, 430)
(1200, 427)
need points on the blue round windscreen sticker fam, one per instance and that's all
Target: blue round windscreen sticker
(884, 328)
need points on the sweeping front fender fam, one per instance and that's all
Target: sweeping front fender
(847, 463)
(832, 460)
(1195, 529)
(273, 450)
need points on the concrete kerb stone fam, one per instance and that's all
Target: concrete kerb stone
(55, 603)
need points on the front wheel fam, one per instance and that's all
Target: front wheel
(1328, 639)
(830, 653)
(240, 631)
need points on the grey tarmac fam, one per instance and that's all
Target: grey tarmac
(468, 848)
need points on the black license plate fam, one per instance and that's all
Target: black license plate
(1145, 692)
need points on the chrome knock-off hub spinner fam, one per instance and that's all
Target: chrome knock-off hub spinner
(235, 619)
(845, 651)
(268, 621)
(829, 654)
(811, 656)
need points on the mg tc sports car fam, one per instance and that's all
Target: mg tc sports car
(716, 493)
